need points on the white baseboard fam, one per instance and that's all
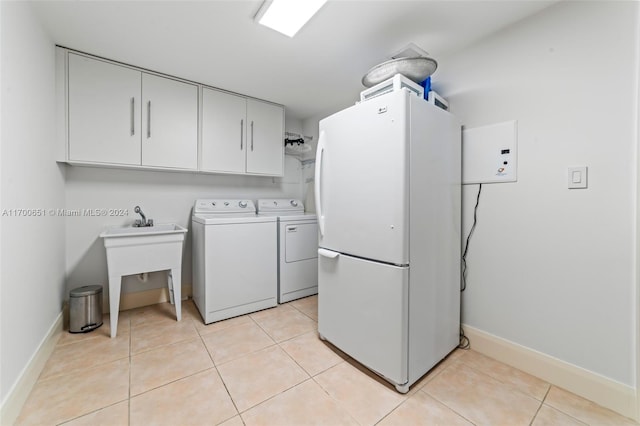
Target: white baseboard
(609, 393)
(17, 396)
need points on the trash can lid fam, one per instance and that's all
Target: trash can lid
(87, 290)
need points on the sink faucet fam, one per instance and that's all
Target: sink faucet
(144, 221)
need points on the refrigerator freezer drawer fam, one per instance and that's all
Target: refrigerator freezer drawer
(363, 310)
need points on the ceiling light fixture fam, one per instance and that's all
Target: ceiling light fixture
(287, 16)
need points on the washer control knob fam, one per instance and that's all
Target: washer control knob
(294, 203)
(226, 203)
(242, 204)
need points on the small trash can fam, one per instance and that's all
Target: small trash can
(85, 308)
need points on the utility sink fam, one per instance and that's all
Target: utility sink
(135, 250)
(128, 231)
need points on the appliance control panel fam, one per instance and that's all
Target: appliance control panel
(214, 206)
(280, 205)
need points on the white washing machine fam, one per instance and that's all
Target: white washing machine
(235, 258)
(297, 247)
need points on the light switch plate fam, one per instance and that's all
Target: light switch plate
(577, 177)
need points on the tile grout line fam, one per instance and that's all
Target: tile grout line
(275, 343)
(292, 359)
(273, 396)
(215, 367)
(279, 393)
(115, 403)
(445, 405)
(337, 402)
(510, 386)
(395, 408)
(435, 398)
(303, 312)
(558, 409)
(539, 407)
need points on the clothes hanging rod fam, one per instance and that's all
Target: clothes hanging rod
(298, 136)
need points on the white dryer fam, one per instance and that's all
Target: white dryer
(297, 247)
(235, 257)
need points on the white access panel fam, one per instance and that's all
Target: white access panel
(489, 153)
(363, 310)
(301, 241)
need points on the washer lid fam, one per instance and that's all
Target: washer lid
(224, 206)
(280, 206)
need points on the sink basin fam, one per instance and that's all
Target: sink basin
(135, 250)
(128, 231)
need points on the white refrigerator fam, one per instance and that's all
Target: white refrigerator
(388, 199)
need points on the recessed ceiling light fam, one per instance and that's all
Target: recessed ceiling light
(287, 16)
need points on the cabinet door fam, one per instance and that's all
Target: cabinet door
(104, 112)
(224, 132)
(265, 154)
(170, 123)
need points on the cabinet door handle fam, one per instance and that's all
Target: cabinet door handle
(251, 135)
(148, 119)
(133, 124)
(241, 133)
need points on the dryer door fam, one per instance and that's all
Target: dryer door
(301, 241)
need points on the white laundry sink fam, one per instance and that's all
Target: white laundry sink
(135, 250)
(128, 231)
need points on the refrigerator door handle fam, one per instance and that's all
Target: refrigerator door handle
(328, 253)
(318, 182)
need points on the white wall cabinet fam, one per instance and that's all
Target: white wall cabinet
(241, 135)
(122, 116)
(265, 151)
(170, 114)
(224, 132)
(119, 116)
(104, 112)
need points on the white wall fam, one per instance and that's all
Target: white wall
(310, 128)
(32, 268)
(163, 197)
(553, 269)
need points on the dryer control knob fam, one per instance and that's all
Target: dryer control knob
(242, 204)
(226, 203)
(294, 203)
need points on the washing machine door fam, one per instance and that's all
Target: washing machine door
(301, 241)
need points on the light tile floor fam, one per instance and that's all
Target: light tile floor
(270, 368)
